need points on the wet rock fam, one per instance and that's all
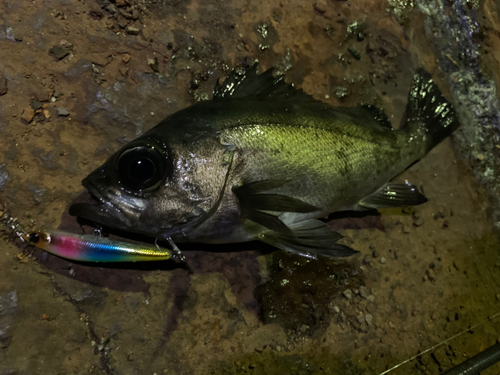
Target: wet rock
(382, 260)
(347, 293)
(8, 309)
(37, 192)
(28, 114)
(4, 176)
(3, 84)
(59, 52)
(62, 112)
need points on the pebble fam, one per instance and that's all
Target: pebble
(364, 292)
(35, 104)
(122, 22)
(111, 9)
(406, 229)
(320, 6)
(3, 84)
(360, 318)
(350, 311)
(371, 298)
(62, 111)
(347, 293)
(59, 52)
(125, 14)
(28, 114)
(303, 328)
(368, 259)
(126, 58)
(382, 260)
(368, 319)
(337, 310)
(278, 348)
(418, 222)
(498, 296)
(133, 30)
(260, 348)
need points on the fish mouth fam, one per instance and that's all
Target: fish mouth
(101, 211)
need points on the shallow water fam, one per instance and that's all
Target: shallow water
(423, 274)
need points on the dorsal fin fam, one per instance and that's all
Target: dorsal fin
(270, 88)
(264, 86)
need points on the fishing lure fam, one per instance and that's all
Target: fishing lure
(91, 248)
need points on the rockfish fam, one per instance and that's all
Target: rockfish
(265, 161)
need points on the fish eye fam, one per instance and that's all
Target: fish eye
(34, 238)
(141, 167)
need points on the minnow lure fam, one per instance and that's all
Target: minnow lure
(91, 248)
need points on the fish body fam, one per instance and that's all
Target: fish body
(262, 160)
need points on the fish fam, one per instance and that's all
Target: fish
(95, 248)
(265, 161)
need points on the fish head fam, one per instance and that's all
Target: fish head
(158, 188)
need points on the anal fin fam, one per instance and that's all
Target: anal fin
(394, 194)
(310, 238)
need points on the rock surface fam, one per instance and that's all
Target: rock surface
(242, 308)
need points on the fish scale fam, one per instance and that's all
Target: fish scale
(325, 169)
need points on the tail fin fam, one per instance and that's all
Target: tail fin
(428, 114)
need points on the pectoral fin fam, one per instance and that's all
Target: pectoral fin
(310, 238)
(253, 201)
(394, 194)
